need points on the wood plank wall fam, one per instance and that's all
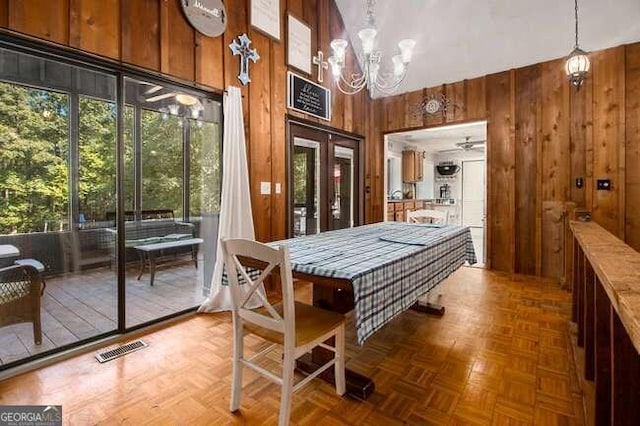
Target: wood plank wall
(153, 34)
(542, 135)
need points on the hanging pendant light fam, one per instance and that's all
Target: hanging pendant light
(577, 66)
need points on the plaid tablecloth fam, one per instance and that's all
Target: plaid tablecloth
(389, 264)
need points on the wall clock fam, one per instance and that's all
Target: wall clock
(434, 104)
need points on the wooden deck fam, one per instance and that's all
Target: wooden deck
(79, 306)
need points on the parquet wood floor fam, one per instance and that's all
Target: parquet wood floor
(500, 355)
(77, 306)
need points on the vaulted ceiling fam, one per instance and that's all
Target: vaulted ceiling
(463, 39)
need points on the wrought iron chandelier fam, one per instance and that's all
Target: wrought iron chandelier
(577, 66)
(372, 77)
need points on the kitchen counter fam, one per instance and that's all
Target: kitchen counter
(396, 208)
(438, 201)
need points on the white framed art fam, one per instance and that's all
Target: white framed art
(298, 44)
(264, 16)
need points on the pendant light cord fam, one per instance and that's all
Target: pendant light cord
(576, 12)
(371, 17)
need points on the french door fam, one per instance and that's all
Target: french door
(324, 181)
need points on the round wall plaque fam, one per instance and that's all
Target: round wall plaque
(434, 104)
(207, 16)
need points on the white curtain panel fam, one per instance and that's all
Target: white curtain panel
(236, 220)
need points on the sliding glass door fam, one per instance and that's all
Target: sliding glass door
(58, 281)
(61, 284)
(171, 232)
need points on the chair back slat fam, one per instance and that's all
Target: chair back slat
(253, 287)
(428, 216)
(240, 255)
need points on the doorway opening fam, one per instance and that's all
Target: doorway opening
(440, 168)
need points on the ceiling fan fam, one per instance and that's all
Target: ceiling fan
(467, 145)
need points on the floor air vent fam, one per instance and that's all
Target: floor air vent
(110, 354)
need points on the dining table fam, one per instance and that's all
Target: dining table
(378, 271)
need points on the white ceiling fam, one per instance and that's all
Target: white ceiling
(437, 139)
(461, 39)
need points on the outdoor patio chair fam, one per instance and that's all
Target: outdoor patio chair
(20, 297)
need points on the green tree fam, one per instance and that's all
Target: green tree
(97, 158)
(34, 129)
(35, 161)
(205, 174)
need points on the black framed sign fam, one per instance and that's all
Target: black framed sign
(308, 97)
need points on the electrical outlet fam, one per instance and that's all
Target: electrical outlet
(278, 187)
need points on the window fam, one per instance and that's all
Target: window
(162, 162)
(97, 165)
(34, 152)
(59, 198)
(205, 173)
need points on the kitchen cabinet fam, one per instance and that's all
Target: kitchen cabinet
(396, 210)
(412, 168)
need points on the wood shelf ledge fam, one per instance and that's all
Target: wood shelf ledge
(617, 266)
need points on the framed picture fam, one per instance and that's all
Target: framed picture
(298, 44)
(264, 16)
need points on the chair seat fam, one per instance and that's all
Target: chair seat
(30, 262)
(311, 323)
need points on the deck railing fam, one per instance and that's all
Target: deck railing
(606, 309)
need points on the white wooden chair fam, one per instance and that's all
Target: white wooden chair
(295, 326)
(428, 216)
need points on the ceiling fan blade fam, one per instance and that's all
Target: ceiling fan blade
(153, 90)
(160, 97)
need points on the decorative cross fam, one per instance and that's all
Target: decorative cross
(241, 47)
(322, 65)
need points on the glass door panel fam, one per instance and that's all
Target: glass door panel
(205, 184)
(342, 208)
(306, 187)
(171, 232)
(323, 181)
(57, 182)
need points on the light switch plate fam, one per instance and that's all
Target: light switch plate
(265, 188)
(278, 187)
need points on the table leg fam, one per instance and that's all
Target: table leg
(428, 308)
(358, 386)
(141, 254)
(152, 265)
